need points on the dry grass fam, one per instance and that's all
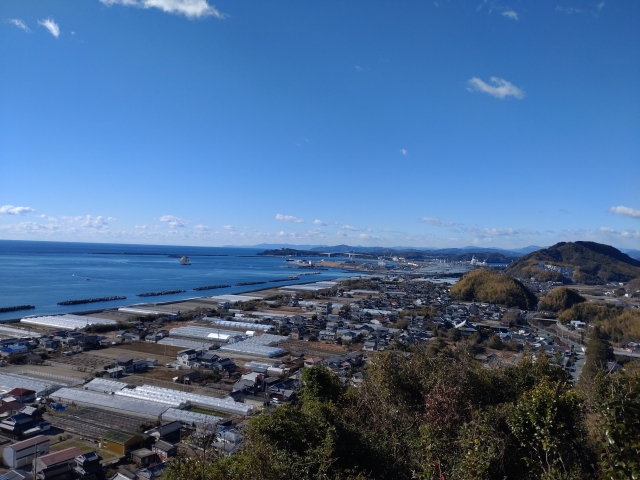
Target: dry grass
(84, 447)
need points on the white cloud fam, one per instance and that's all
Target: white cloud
(437, 222)
(368, 236)
(19, 23)
(288, 218)
(229, 227)
(630, 233)
(201, 228)
(174, 222)
(29, 228)
(90, 221)
(600, 5)
(350, 227)
(404, 152)
(49, 24)
(188, 8)
(569, 10)
(11, 210)
(490, 233)
(47, 217)
(625, 211)
(358, 67)
(319, 222)
(510, 14)
(499, 88)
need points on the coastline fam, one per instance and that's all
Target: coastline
(195, 298)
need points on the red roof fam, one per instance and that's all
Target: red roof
(21, 391)
(16, 447)
(60, 457)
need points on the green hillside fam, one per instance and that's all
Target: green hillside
(560, 298)
(490, 287)
(593, 263)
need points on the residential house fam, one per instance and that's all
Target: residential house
(169, 432)
(21, 454)
(56, 465)
(88, 464)
(23, 395)
(164, 450)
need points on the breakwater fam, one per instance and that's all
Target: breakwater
(157, 294)
(211, 287)
(16, 308)
(92, 300)
(244, 284)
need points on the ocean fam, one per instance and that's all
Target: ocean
(45, 273)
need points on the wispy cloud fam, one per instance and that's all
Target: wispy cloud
(350, 227)
(483, 233)
(229, 227)
(90, 221)
(630, 233)
(11, 210)
(319, 222)
(201, 228)
(437, 222)
(174, 222)
(510, 14)
(49, 24)
(288, 218)
(600, 5)
(404, 152)
(570, 10)
(19, 23)
(188, 8)
(625, 211)
(29, 228)
(499, 88)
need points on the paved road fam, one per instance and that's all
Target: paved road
(579, 359)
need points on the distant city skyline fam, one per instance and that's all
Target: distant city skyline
(445, 124)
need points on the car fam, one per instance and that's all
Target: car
(573, 369)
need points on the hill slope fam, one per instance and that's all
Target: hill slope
(593, 263)
(559, 299)
(486, 286)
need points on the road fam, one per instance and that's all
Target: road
(579, 359)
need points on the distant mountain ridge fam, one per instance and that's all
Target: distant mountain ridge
(592, 263)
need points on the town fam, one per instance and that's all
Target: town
(116, 393)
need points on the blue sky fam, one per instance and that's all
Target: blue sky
(432, 124)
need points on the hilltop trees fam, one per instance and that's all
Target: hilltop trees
(560, 298)
(424, 416)
(490, 287)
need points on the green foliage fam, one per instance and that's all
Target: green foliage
(485, 286)
(594, 263)
(615, 407)
(320, 385)
(560, 298)
(547, 422)
(424, 416)
(599, 352)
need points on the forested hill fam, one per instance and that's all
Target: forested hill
(486, 286)
(593, 263)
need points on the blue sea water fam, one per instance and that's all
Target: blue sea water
(45, 273)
